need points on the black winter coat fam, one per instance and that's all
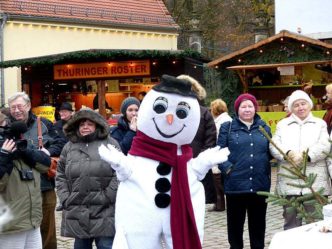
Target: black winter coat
(86, 185)
(205, 138)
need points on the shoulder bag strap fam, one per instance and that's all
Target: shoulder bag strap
(40, 136)
(229, 131)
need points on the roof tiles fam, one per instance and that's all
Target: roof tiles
(148, 13)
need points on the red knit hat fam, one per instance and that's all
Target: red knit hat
(243, 97)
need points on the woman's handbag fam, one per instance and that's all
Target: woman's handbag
(54, 160)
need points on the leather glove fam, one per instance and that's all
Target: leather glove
(297, 157)
(117, 160)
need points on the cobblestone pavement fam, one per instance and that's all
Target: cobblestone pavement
(215, 227)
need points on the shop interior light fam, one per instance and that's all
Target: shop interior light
(239, 60)
(261, 50)
(62, 84)
(281, 39)
(216, 67)
(328, 52)
(154, 63)
(173, 62)
(302, 45)
(195, 66)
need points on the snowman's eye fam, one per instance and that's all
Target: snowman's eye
(160, 105)
(182, 110)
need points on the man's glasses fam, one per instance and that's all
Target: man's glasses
(19, 107)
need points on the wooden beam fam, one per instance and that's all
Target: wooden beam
(101, 97)
(242, 75)
(258, 66)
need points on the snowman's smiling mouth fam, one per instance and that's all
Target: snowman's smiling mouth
(165, 135)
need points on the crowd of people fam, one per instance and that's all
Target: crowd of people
(86, 186)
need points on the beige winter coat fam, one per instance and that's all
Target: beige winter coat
(296, 135)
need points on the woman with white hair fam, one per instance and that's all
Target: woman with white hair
(294, 135)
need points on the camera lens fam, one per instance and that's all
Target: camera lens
(21, 145)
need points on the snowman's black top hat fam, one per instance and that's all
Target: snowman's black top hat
(170, 84)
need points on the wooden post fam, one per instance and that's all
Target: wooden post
(101, 97)
(242, 75)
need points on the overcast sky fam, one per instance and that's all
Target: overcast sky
(312, 16)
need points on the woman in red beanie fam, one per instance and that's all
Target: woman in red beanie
(246, 172)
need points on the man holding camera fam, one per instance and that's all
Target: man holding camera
(20, 110)
(20, 168)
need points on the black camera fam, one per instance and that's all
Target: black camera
(14, 131)
(26, 174)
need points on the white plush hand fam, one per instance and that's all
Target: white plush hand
(207, 159)
(117, 160)
(214, 155)
(110, 154)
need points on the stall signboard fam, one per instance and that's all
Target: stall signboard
(272, 118)
(102, 70)
(45, 112)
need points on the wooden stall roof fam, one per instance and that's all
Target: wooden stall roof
(241, 67)
(143, 14)
(282, 34)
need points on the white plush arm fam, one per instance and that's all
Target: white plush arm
(117, 160)
(207, 159)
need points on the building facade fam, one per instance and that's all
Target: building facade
(31, 28)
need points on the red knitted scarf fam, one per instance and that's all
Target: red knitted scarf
(183, 224)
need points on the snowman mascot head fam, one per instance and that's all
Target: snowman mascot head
(170, 112)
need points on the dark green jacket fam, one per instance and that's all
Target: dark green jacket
(23, 197)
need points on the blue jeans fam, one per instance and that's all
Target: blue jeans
(101, 243)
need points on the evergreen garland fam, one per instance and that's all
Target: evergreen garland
(287, 51)
(95, 55)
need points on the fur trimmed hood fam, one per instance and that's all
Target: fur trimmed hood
(71, 127)
(195, 86)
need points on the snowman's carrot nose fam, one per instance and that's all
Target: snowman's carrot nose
(169, 118)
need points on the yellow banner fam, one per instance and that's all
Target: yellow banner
(272, 118)
(101, 70)
(45, 112)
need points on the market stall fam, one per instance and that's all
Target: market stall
(100, 79)
(272, 69)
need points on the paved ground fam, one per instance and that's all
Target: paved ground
(215, 227)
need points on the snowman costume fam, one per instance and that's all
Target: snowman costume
(160, 200)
